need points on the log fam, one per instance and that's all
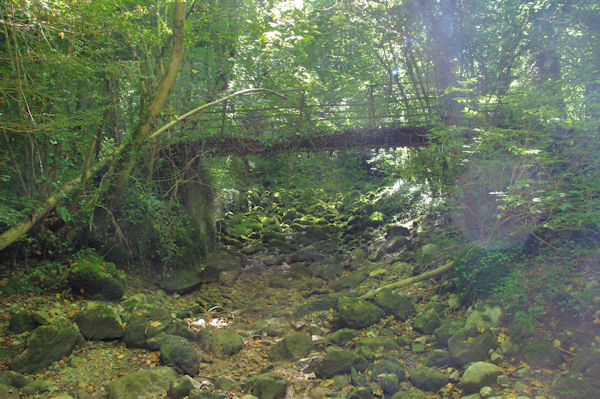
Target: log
(430, 274)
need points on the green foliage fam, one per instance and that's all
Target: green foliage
(47, 276)
(479, 272)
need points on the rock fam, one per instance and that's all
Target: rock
(316, 304)
(178, 352)
(388, 383)
(542, 354)
(401, 269)
(216, 262)
(101, 322)
(227, 384)
(22, 321)
(11, 378)
(294, 346)
(267, 386)
(183, 280)
(342, 336)
(429, 252)
(486, 317)
(144, 383)
(34, 388)
(272, 327)
(439, 358)
(339, 361)
(587, 362)
(427, 378)
(396, 244)
(410, 393)
(385, 366)
(478, 375)
(394, 304)
(426, 322)
(93, 277)
(450, 326)
(181, 387)
(471, 396)
(468, 345)
(361, 393)
(138, 302)
(378, 344)
(306, 254)
(486, 392)
(45, 345)
(9, 392)
(357, 257)
(571, 387)
(221, 341)
(358, 313)
(350, 281)
(204, 394)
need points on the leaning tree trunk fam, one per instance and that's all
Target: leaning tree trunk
(123, 165)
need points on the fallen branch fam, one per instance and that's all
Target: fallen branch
(411, 280)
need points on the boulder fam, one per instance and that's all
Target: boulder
(587, 362)
(267, 386)
(468, 345)
(11, 378)
(401, 269)
(221, 341)
(342, 336)
(183, 280)
(427, 378)
(429, 252)
(484, 316)
(449, 327)
(378, 344)
(100, 322)
(388, 382)
(542, 354)
(426, 322)
(361, 393)
(352, 280)
(181, 387)
(272, 327)
(294, 346)
(385, 366)
(394, 304)
(478, 375)
(178, 352)
(227, 384)
(410, 393)
(439, 358)
(144, 383)
(339, 361)
(45, 345)
(358, 313)
(217, 262)
(571, 387)
(93, 277)
(22, 321)
(316, 304)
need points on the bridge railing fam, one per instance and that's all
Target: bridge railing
(304, 111)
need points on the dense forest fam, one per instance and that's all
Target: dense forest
(300, 199)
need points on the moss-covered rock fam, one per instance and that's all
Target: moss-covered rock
(144, 383)
(221, 341)
(468, 345)
(45, 345)
(267, 386)
(427, 378)
(410, 393)
(93, 277)
(351, 280)
(378, 344)
(478, 375)
(178, 352)
(101, 322)
(339, 361)
(342, 336)
(22, 321)
(542, 354)
(571, 387)
(358, 313)
(316, 304)
(426, 322)
(450, 326)
(438, 358)
(394, 304)
(227, 384)
(294, 346)
(385, 366)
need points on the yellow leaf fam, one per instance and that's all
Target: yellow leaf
(155, 323)
(194, 71)
(61, 35)
(481, 330)
(469, 339)
(597, 338)
(328, 382)
(556, 343)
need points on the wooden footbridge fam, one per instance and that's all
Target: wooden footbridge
(295, 120)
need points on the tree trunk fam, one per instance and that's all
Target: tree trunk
(122, 167)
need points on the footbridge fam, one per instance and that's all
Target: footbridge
(300, 120)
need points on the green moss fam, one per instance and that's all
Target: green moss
(94, 277)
